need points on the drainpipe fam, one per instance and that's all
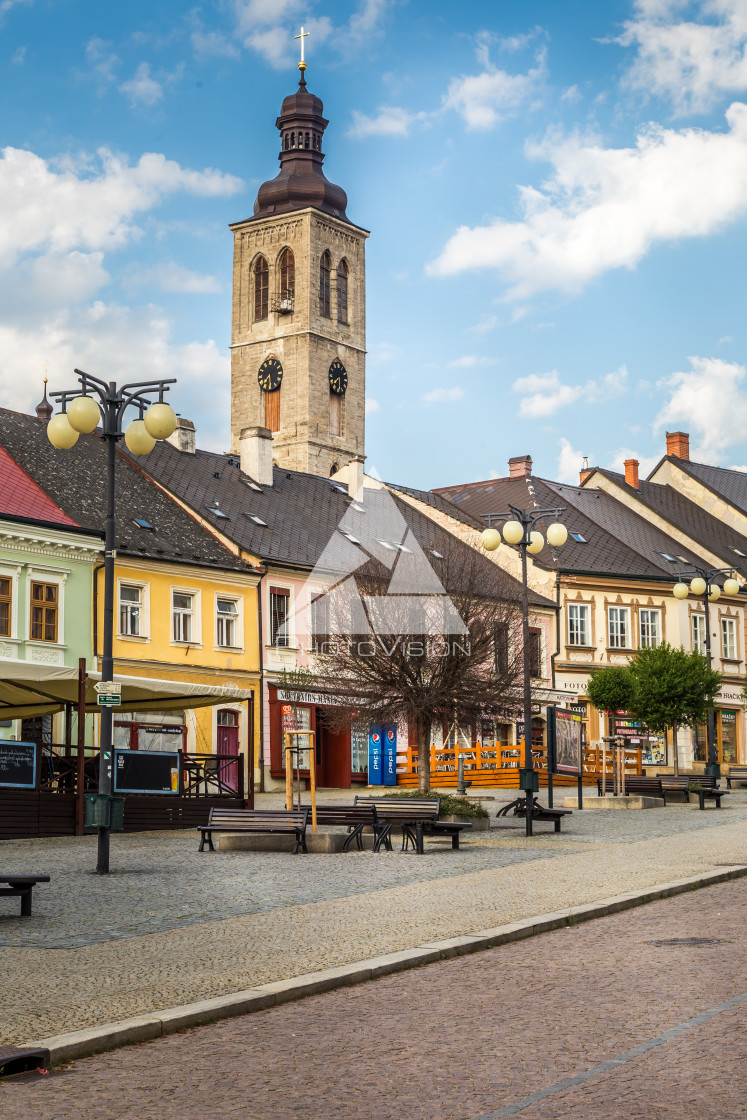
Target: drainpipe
(261, 687)
(97, 568)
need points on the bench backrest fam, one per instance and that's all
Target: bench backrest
(291, 817)
(403, 808)
(737, 770)
(633, 782)
(346, 814)
(685, 781)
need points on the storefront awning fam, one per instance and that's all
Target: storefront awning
(36, 690)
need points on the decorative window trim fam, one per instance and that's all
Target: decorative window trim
(238, 601)
(196, 640)
(588, 607)
(626, 612)
(144, 586)
(37, 574)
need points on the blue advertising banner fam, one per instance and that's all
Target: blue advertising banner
(389, 767)
(374, 754)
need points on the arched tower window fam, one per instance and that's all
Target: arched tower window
(325, 268)
(342, 292)
(261, 288)
(287, 279)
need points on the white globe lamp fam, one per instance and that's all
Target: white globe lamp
(698, 585)
(557, 534)
(513, 532)
(714, 592)
(680, 590)
(731, 586)
(60, 432)
(160, 420)
(83, 414)
(536, 542)
(138, 438)
(491, 538)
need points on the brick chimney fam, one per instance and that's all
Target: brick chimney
(678, 445)
(520, 466)
(585, 471)
(184, 436)
(631, 473)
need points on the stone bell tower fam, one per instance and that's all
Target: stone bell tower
(299, 306)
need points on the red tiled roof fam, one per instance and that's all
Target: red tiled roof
(21, 497)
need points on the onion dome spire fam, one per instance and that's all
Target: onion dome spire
(301, 181)
(44, 409)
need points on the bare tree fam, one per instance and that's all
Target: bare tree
(424, 658)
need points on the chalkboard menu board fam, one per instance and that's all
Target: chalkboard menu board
(147, 771)
(17, 764)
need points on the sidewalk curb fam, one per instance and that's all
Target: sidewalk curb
(79, 1044)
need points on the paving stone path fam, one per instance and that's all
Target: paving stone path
(592, 1022)
(171, 925)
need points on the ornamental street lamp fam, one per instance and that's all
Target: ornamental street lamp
(102, 404)
(518, 529)
(703, 588)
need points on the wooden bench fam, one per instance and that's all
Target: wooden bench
(711, 793)
(637, 785)
(736, 774)
(21, 886)
(353, 817)
(292, 821)
(539, 812)
(682, 783)
(417, 817)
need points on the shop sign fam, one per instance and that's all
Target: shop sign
(374, 754)
(389, 768)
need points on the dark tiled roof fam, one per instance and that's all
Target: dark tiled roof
(301, 513)
(730, 484)
(75, 480)
(436, 500)
(701, 526)
(21, 497)
(616, 541)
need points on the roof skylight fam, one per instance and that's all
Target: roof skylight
(142, 524)
(578, 537)
(253, 517)
(666, 556)
(738, 551)
(218, 512)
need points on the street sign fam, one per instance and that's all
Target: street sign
(112, 687)
(109, 700)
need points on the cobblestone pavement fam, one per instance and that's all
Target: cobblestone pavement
(171, 925)
(592, 1022)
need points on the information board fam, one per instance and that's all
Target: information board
(147, 771)
(17, 764)
(564, 730)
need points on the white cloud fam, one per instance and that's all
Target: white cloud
(102, 60)
(269, 27)
(60, 206)
(693, 63)
(470, 361)
(19, 56)
(170, 276)
(142, 89)
(646, 463)
(442, 396)
(389, 121)
(482, 100)
(212, 44)
(544, 393)
(570, 463)
(6, 5)
(382, 352)
(710, 401)
(372, 406)
(606, 208)
(572, 94)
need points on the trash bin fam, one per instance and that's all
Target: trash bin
(104, 811)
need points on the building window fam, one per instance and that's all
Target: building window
(335, 414)
(182, 616)
(500, 648)
(579, 629)
(6, 602)
(261, 288)
(698, 633)
(619, 627)
(279, 612)
(342, 292)
(272, 410)
(320, 623)
(227, 614)
(325, 268)
(535, 653)
(130, 611)
(44, 603)
(287, 277)
(650, 628)
(729, 650)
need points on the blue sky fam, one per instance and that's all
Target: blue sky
(556, 193)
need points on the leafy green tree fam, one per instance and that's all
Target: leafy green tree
(672, 687)
(611, 689)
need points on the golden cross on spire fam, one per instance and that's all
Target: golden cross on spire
(303, 35)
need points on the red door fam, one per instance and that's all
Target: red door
(333, 756)
(228, 747)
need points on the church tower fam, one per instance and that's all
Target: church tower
(299, 307)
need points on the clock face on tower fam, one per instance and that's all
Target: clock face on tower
(338, 378)
(270, 375)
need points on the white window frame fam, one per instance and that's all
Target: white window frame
(651, 612)
(238, 620)
(289, 625)
(196, 639)
(729, 640)
(584, 613)
(13, 573)
(697, 633)
(614, 640)
(144, 589)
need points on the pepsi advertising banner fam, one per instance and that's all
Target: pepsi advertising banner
(374, 755)
(389, 767)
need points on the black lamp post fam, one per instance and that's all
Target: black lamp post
(519, 529)
(98, 404)
(702, 587)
